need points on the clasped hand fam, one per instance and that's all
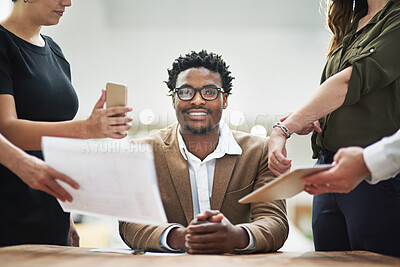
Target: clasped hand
(211, 233)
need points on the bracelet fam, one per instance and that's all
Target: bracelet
(284, 129)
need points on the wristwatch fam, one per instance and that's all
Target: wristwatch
(284, 129)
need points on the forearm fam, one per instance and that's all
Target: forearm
(143, 236)
(34, 172)
(329, 97)
(10, 155)
(27, 134)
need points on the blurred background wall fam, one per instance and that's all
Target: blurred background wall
(276, 51)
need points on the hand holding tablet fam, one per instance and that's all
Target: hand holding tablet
(285, 186)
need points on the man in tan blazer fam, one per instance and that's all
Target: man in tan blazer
(203, 169)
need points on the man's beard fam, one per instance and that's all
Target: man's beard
(199, 130)
(203, 130)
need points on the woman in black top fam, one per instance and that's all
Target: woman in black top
(37, 99)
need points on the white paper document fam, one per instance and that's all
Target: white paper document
(116, 179)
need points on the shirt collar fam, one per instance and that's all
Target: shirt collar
(226, 144)
(378, 16)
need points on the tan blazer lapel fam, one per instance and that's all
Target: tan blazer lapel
(222, 175)
(179, 170)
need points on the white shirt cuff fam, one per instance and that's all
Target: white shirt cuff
(252, 241)
(164, 238)
(377, 163)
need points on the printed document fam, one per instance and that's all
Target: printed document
(116, 179)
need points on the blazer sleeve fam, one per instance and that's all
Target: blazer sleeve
(143, 236)
(269, 224)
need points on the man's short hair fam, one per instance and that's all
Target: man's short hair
(204, 59)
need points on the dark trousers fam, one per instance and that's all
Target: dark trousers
(367, 218)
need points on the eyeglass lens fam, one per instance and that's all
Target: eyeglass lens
(206, 93)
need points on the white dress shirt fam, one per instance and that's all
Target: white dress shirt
(201, 175)
(383, 158)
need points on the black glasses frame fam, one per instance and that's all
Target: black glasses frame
(201, 90)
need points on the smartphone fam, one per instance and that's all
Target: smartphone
(116, 95)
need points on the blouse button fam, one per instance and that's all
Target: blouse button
(371, 50)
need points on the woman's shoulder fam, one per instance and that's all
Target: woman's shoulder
(396, 4)
(391, 16)
(394, 9)
(5, 37)
(52, 43)
(7, 43)
(53, 46)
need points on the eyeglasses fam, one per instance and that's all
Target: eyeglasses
(208, 92)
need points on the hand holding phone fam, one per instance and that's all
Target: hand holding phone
(112, 121)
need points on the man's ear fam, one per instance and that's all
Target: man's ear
(225, 101)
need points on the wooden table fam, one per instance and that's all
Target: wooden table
(45, 255)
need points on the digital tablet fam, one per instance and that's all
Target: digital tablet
(285, 186)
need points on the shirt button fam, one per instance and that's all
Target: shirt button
(371, 50)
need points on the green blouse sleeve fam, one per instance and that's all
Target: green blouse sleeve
(378, 64)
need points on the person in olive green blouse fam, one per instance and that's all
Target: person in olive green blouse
(357, 104)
